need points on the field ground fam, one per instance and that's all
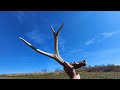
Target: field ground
(62, 75)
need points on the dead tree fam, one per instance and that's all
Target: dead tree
(69, 68)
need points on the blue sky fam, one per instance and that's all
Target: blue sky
(90, 35)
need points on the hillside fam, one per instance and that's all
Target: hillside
(97, 72)
(62, 75)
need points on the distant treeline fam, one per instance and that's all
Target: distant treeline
(101, 68)
(97, 68)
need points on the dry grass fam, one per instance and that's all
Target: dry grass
(62, 75)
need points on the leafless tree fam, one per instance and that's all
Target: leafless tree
(57, 70)
(69, 68)
(44, 70)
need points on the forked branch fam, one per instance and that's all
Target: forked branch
(68, 67)
(56, 51)
(56, 55)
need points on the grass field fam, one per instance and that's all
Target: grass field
(62, 75)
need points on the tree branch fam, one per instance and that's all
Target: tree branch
(38, 50)
(68, 67)
(57, 58)
(52, 29)
(60, 29)
(56, 51)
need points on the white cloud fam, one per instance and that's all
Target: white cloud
(102, 36)
(37, 37)
(108, 34)
(74, 51)
(61, 43)
(20, 15)
(74, 55)
(90, 42)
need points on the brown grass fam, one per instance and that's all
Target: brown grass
(62, 75)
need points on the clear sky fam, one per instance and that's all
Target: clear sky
(90, 35)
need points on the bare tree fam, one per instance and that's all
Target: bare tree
(44, 70)
(57, 70)
(69, 68)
